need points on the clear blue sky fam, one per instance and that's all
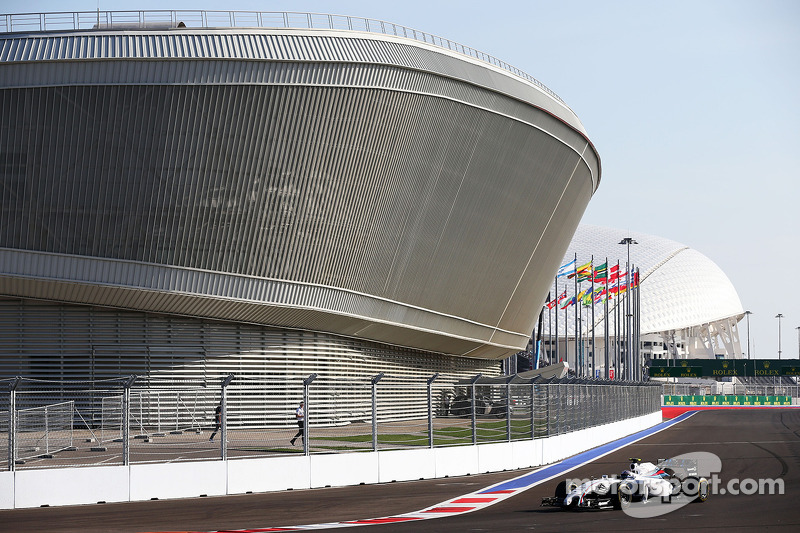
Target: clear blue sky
(693, 105)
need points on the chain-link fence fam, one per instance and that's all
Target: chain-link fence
(129, 421)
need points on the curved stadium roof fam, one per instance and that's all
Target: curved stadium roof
(680, 287)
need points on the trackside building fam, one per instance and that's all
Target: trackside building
(183, 197)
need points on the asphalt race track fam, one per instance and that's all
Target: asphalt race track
(751, 444)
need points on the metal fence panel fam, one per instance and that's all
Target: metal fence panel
(157, 421)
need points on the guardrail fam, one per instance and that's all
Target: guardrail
(83, 424)
(91, 20)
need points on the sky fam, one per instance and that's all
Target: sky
(693, 105)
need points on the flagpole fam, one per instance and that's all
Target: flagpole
(558, 295)
(617, 333)
(605, 327)
(590, 362)
(638, 295)
(566, 339)
(537, 347)
(577, 373)
(550, 331)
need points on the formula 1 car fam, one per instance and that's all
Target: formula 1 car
(667, 479)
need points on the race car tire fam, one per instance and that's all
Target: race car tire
(561, 489)
(621, 500)
(561, 492)
(702, 491)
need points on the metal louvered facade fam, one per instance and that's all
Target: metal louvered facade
(366, 188)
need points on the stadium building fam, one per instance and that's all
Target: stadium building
(686, 307)
(191, 194)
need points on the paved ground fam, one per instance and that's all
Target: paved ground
(751, 444)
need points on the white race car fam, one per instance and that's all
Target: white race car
(666, 479)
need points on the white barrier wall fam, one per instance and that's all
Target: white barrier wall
(71, 486)
(6, 490)
(85, 485)
(268, 474)
(177, 480)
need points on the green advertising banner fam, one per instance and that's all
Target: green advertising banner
(719, 399)
(724, 367)
(676, 372)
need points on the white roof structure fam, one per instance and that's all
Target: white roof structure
(682, 291)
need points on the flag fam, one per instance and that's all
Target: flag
(635, 279)
(552, 303)
(587, 299)
(582, 272)
(599, 294)
(567, 270)
(585, 272)
(601, 273)
(616, 274)
(571, 301)
(613, 273)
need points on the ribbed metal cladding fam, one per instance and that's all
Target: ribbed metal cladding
(49, 341)
(275, 46)
(369, 200)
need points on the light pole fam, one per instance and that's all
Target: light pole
(779, 316)
(747, 316)
(630, 367)
(798, 341)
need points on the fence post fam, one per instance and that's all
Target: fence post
(306, 384)
(508, 408)
(12, 424)
(126, 420)
(223, 413)
(375, 380)
(474, 404)
(533, 415)
(548, 413)
(430, 408)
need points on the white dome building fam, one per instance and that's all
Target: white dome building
(688, 308)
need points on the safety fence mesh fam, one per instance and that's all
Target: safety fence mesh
(154, 421)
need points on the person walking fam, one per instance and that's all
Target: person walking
(300, 415)
(217, 421)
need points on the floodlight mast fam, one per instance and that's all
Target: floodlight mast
(747, 316)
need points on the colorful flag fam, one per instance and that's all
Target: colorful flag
(571, 301)
(552, 303)
(601, 273)
(583, 271)
(566, 270)
(587, 299)
(616, 274)
(613, 273)
(635, 279)
(599, 294)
